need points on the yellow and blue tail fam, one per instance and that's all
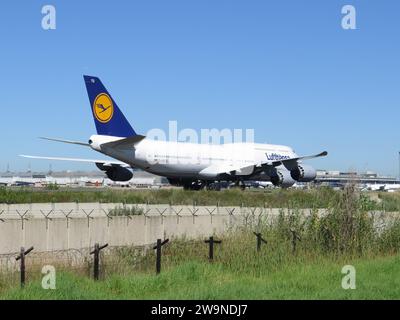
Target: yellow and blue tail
(107, 116)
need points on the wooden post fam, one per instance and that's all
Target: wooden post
(211, 249)
(211, 242)
(96, 257)
(295, 237)
(259, 240)
(157, 247)
(96, 262)
(158, 258)
(21, 257)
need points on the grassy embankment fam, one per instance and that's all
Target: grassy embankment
(347, 235)
(375, 279)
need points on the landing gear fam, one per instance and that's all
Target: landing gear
(199, 185)
(216, 186)
(194, 185)
(240, 184)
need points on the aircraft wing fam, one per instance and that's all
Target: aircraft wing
(249, 170)
(322, 154)
(102, 162)
(66, 141)
(220, 169)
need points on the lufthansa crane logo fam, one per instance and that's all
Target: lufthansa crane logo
(103, 108)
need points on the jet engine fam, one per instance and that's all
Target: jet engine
(281, 178)
(115, 172)
(303, 173)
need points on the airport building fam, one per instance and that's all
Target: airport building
(338, 177)
(142, 179)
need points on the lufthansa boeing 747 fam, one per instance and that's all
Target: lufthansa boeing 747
(193, 166)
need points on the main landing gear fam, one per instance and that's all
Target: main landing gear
(199, 185)
(240, 184)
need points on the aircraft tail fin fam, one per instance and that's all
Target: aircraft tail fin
(108, 118)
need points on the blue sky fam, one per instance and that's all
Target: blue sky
(285, 68)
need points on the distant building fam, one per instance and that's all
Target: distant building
(143, 179)
(338, 177)
(77, 179)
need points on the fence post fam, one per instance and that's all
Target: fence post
(22, 216)
(96, 263)
(67, 216)
(161, 213)
(46, 216)
(211, 213)
(157, 247)
(22, 268)
(295, 237)
(88, 216)
(259, 240)
(211, 242)
(177, 214)
(193, 212)
(108, 215)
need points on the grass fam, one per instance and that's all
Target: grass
(322, 197)
(277, 198)
(121, 211)
(378, 278)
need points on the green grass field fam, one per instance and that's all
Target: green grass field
(377, 278)
(233, 197)
(277, 198)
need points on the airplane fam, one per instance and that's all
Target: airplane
(192, 166)
(381, 187)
